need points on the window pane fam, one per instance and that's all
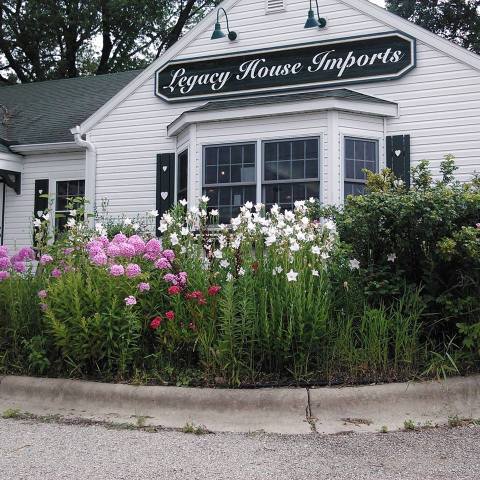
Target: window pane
(283, 170)
(311, 169)
(349, 168)
(236, 173)
(349, 148)
(236, 154)
(285, 194)
(271, 152)
(298, 149)
(211, 154)
(270, 171)
(285, 150)
(249, 153)
(311, 149)
(224, 174)
(224, 155)
(298, 169)
(248, 173)
(211, 175)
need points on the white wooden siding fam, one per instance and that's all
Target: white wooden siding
(19, 208)
(439, 104)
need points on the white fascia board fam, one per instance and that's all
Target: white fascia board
(33, 148)
(11, 162)
(421, 34)
(305, 106)
(173, 51)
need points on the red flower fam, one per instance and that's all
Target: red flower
(155, 323)
(170, 315)
(174, 290)
(192, 326)
(255, 266)
(214, 289)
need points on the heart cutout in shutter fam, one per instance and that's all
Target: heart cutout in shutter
(398, 153)
(164, 195)
(165, 168)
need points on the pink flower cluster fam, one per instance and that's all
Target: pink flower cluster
(16, 263)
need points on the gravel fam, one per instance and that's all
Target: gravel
(50, 451)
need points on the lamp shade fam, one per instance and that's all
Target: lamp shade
(311, 20)
(217, 33)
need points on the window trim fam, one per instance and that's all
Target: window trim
(185, 149)
(229, 184)
(377, 139)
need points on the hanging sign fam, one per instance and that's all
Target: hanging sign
(353, 60)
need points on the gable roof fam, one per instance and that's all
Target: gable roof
(363, 6)
(44, 112)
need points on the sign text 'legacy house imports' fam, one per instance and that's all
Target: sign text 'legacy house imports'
(372, 58)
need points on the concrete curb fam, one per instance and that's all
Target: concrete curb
(282, 410)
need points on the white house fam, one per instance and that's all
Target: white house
(273, 112)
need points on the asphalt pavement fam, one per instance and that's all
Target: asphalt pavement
(49, 451)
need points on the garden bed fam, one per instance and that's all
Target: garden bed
(385, 289)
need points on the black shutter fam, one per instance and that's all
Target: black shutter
(398, 156)
(165, 184)
(41, 196)
(40, 203)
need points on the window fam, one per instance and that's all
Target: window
(229, 177)
(65, 193)
(359, 154)
(291, 171)
(182, 186)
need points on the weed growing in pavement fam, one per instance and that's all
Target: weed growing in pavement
(409, 425)
(195, 429)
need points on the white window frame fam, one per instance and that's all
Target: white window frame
(359, 135)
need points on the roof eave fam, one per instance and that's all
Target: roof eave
(37, 148)
(305, 106)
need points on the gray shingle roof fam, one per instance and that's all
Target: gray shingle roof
(44, 112)
(291, 97)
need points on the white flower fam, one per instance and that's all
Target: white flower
(229, 277)
(301, 236)
(167, 218)
(316, 250)
(311, 200)
(37, 223)
(248, 205)
(163, 227)
(183, 249)
(241, 271)
(236, 221)
(153, 213)
(275, 209)
(292, 276)
(72, 213)
(136, 226)
(71, 223)
(174, 239)
(270, 240)
(214, 213)
(224, 264)
(315, 273)
(236, 243)
(203, 213)
(46, 216)
(305, 221)
(325, 256)
(330, 225)
(183, 202)
(184, 231)
(354, 264)
(194, 210)
(294, 247)
(258, 206)
(279, 269)
(392, 257)
(127, 222)
(218, 254)
(204, 199)
(289, 215)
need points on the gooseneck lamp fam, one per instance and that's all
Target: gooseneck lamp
(218, 32)
(312, 22)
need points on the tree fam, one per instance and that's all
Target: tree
(48, 39)
(456, 20)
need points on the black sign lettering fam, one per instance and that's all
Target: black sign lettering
(372, 58)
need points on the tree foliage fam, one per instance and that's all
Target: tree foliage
(456, 20)
(48, 39)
